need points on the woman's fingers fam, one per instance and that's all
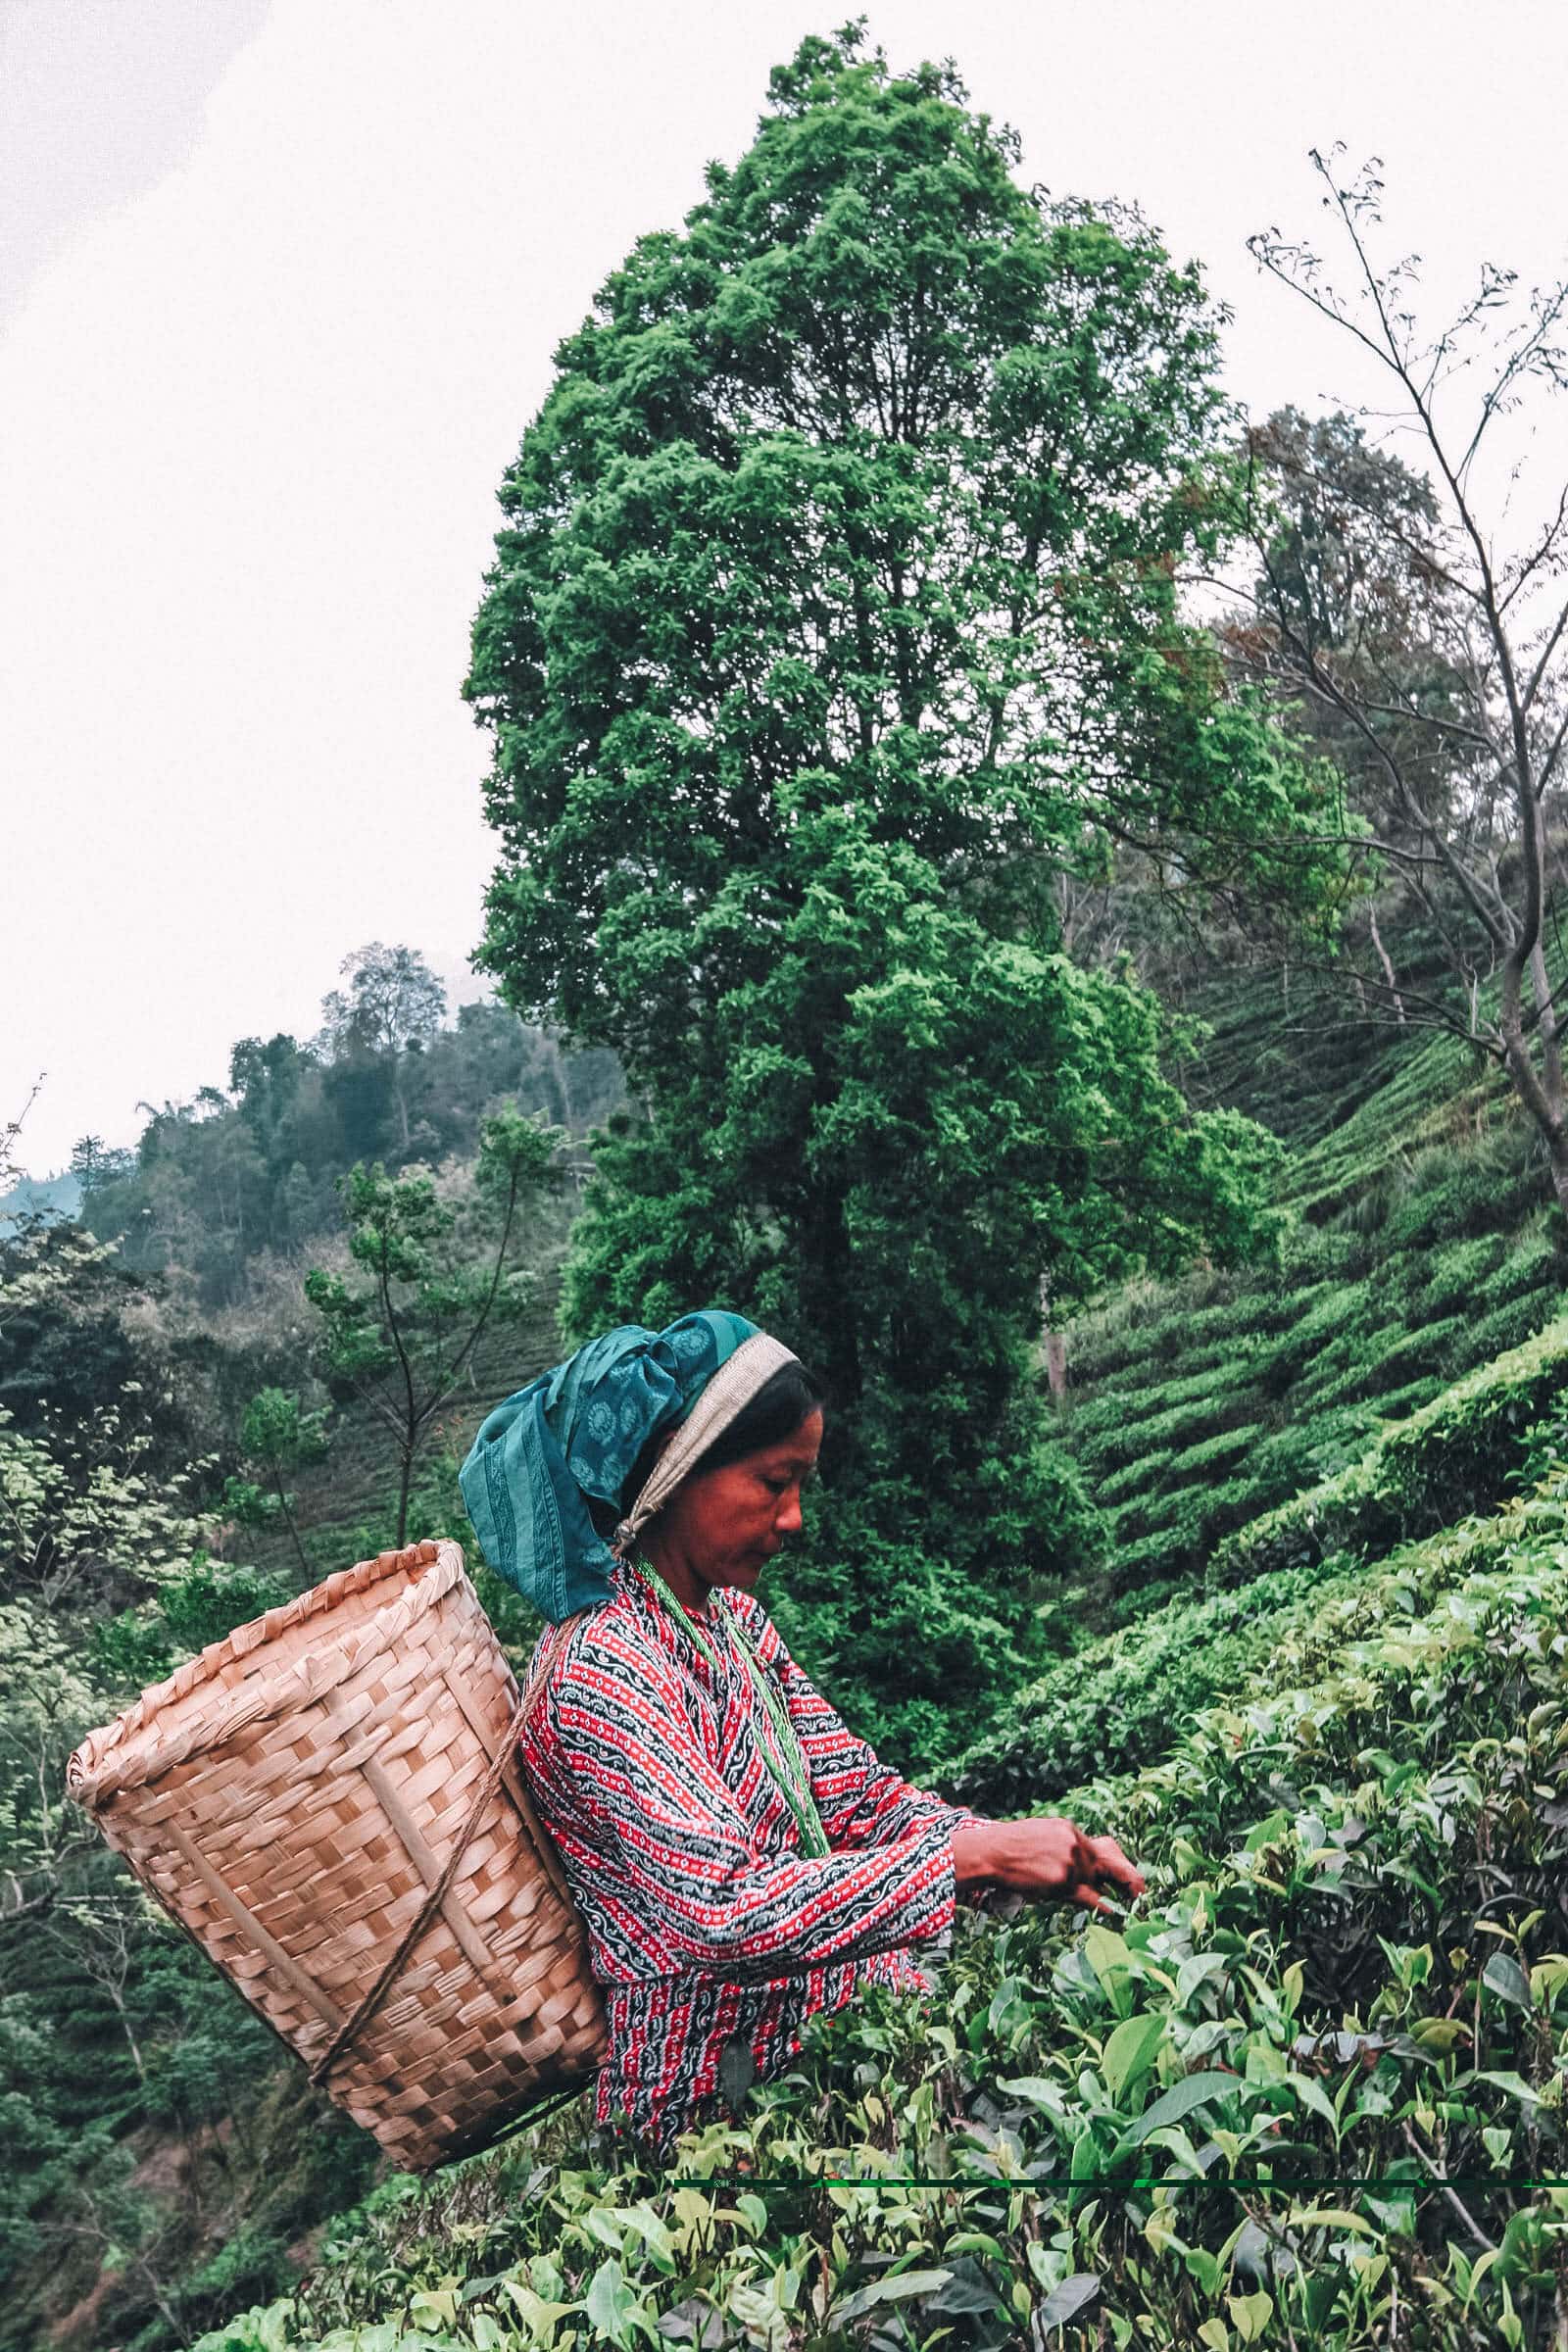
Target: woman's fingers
(1045, 1856)
(1109, 1862)
(1099, 1863)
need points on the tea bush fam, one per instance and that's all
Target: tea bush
(1122, 1702)
(1360, 1324)
(1421, 1473)
(1301, 2094)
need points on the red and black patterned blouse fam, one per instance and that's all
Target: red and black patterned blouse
(706, 1921)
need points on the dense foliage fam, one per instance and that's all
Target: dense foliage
(834, 621)
(164, 2169)
(866, 795)
(229, 1181)
(430, 1273)
(140, 2105)
(1111, 1703)
(157, 2163)
(1422, 1248)
(1305, 2090)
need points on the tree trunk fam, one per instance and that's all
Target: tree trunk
(1550, 1040)
(404, 1478)
(1056, 1345)
(1558, 1150)
(1541, 1098)
(1388, 967)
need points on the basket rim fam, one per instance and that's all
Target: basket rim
(127, 1752)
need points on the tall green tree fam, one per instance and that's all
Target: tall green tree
(94, 1163)
(393, 1005)
(278, 1439)
(835, 616)
(431, 1273)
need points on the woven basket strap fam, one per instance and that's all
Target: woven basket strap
(436, 1895)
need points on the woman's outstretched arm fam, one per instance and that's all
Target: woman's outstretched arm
(861, 1800)
(865, 1802)
(674, 1868)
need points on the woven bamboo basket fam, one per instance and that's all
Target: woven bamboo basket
(329, 1801)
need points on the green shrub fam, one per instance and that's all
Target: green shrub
(1224, 1447)
(1132, 1478)
(1339, 1308)
(1302, 1992)
(1458, 1275)
(1147, 1514)
(1454, 1455)
(1511, 1324)
(210, 1599)
(142, 1645)
(1121, 1701)
(1475, 1197)
(1122, 1413)
(131, 1650)
(1124, 1702)
(1183, 1423)
(1398, 1405)
(1536, 1264)
(1314, 1448)
(1168, 1535)
(1436, 1352)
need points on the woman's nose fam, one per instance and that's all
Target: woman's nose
(789, 1521)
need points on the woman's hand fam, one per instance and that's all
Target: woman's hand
(1046, 1856)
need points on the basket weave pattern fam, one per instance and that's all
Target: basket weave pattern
(292, 1796)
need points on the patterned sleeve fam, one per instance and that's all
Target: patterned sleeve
(861, 1801)
(615, 1747)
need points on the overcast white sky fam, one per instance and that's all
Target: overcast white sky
(280, 283)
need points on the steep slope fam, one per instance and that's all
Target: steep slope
(1304, 2093)
(1418, 1242)
(1332, 1704)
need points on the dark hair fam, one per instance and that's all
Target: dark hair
(773, 1414)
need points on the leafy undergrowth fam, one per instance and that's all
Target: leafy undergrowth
(1298, 2094)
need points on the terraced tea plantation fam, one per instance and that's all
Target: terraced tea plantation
(1310, 2090)
(1311, 2087)
(1418, 1246)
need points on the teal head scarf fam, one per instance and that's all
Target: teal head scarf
(575, 1434)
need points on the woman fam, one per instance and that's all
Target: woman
(741, 1860)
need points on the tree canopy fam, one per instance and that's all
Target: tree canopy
(835, 614)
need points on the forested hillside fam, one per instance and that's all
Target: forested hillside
(1368, 1629)
(1333, 1737)
(1116, 1042)
(178, 1453)
(1345, 1965)
(219, 1187)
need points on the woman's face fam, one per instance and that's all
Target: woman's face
(725, 1525)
